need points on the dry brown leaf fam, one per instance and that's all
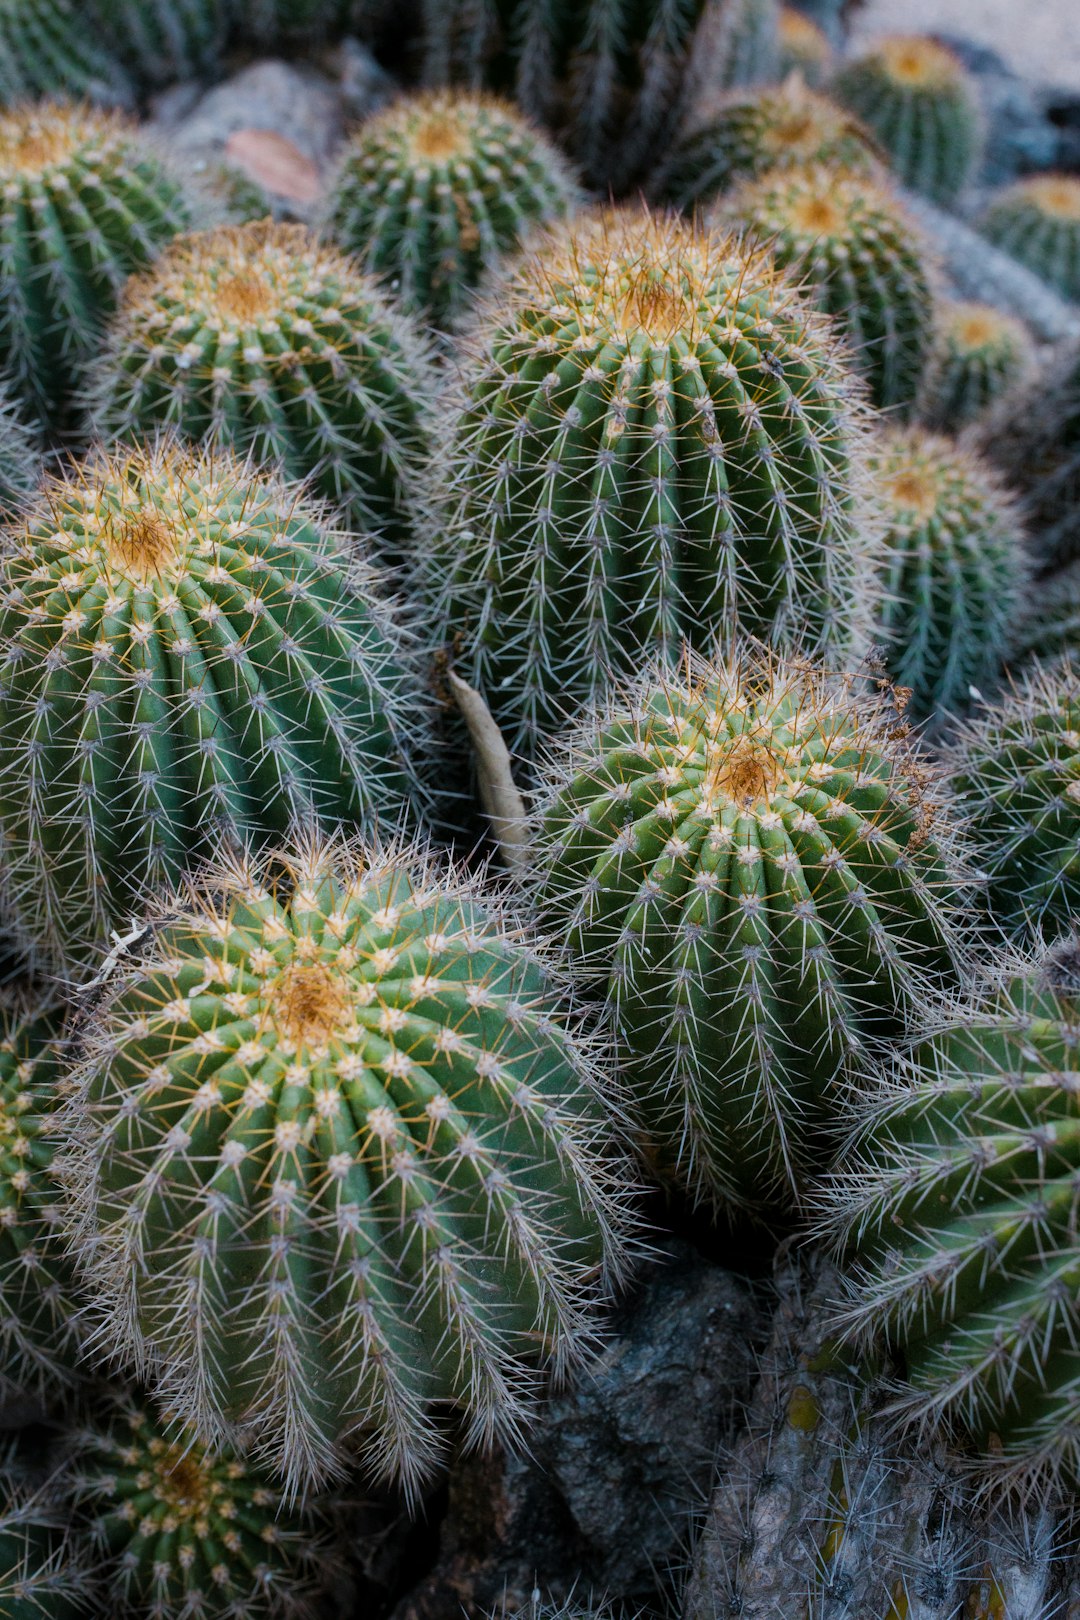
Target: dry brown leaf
(275, 163)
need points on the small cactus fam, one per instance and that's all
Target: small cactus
(956, 1210)
(952, 570)
(44, 1573)
(383, 1177)
(853, 248)
(1037, 220)
(186, 652)
(1050, 629)
(260, 339)
(47, 49)
(653, 443)
(979, 355)
(1015, 769)
(923, 106)
(804, 48)
(85, 204)
(757, 870)
(431, 192)
(159, 41)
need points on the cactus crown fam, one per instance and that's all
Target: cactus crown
(918, 63)
(1037, 220)
(979, 354)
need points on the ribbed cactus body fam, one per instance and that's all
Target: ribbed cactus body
(757, 872)
(923, 106)
(1015, 769)
(262, 340)
(84, 204)
(804, 47)
(952, 571)
(20, 459)
(162, 40)
(850, 244)
(979, 355)
(653, 444)
(339, 1156)
(956, 1208)
(1037, 220)
(430, 193)
(47, 49)
(1050, 629)
(749, 49)
(188, 652)
(42, 1576)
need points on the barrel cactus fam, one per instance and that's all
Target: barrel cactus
(337, 1155)
(1050, 629)
(653, 441)
(804, 47)
(754, 867)
(85, 203)
(187, 652)
(851, 245)
(1015, 769)
(262, 339)
(430, 193)
(953, 569)
(1037, 220)
(47, 49)
(955, 1209)
(980, 353)
(44, 1574)
(159, 41)
(923, 106)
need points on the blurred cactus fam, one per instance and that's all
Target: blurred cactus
(1050, 629)
(44, 1572)
(46, 48)
(267, 23)
(804, 47)
(1037, 220)
(159, 41)
(20, 460)
(979, 355)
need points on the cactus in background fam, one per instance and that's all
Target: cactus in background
(853, 249)
(749, 52)
(1051, 627)
(43, 1573)
(979, 355)
(353, 1063)
(47, 49)
(1015, 769)
(297, 22)
(20, 461)
(923, 106)
(159, 41)
(757, 869)
(181, 1532)
(742, 135)
(262, 340)
(804, 47)
(431, 192)
(85, 204)
(1037, 220)
(952, 569)
(653, 443)
(956, 1209)
(186, 652)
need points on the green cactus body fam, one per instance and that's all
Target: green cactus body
(83, 206)
(956, 1208)
(431, 192)
(923, 106)
(750, 44)
(1015, 769)
(46, 49)
(1037, 220)
(162, 40)
(187, 653)
(952, 572)
(258, 338)
(20, 461)
(849, 243)
(655, 444)
(42, 1576)
(1050, 629)
(338, 1156)
(979, 355)
(277, 22)
(181, 1532)
(754, 868)
(804, 47)
(743, 135)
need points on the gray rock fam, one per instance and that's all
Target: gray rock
(295, 102)
(363, 84)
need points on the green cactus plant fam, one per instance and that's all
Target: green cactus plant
(187, 651)
(1050, 629)
(1015, 769)
(259, 338)
(20, 459)
(344, 1073)
(159, 41)
(1037, 220)
(279, 22)
(85, 203)
(758, 872)
(854, 249)
(432, 191)
(923, 106)
(44, 1573)
(804, 48)
(953, 569)
(956, 1211)
(654, 441)
(46, 49)
(980, 354)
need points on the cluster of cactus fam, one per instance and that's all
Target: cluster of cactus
(432, 192)
(980, 354)
(1037, 220)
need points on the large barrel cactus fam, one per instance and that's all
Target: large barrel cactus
(1037, 220)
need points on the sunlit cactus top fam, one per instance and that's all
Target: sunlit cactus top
(804, 48)
(1037, 220)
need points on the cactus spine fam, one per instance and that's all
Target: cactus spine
(259, 338)
(653, 443)
(186, 652)
(383, 1177)
(431, 192)
(754, 866)
(980, 354)
(46, 49)
(1037, 220)
(43, 1574)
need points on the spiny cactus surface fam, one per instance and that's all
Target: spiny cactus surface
(979, 355)
(43, 1575)
(259, 338)
(187, 651)
(430, 193)
(160, 41)
(756, 869)
(804, 47)
(654, 442)
(20, 459)
(953, 569)
(1037, 220)
(1050, 628)
(47, 49)
(339, 1155)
